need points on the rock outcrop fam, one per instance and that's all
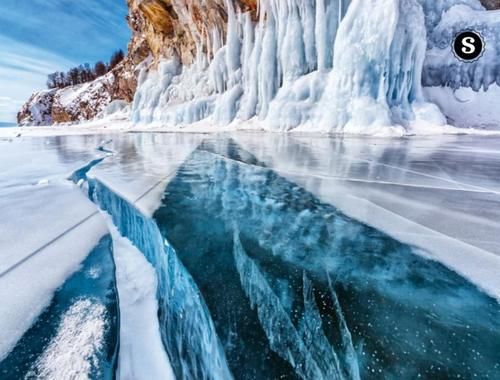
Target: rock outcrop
(181, 27)
(491, 4)
(80, 102)
(38, 109)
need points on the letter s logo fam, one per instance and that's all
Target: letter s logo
(468, 45)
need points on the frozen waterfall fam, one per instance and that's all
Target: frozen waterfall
(349, 66)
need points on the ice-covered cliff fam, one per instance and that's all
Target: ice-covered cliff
(360, 66)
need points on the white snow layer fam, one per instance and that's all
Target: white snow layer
(142, 355)
(348, 66)
(467, 108)
(25, 290)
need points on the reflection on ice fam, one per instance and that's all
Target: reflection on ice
(441, 195)
(141, 165)
(383, 306)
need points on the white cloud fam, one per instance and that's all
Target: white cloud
(23, 69)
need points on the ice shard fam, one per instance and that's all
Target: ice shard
(283, 337)
(186, 327)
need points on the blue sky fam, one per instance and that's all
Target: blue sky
(41, 36)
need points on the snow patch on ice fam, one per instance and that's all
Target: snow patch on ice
(27, 291)
(142, 355)
(78, 341)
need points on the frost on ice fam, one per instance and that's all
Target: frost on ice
(331, 65)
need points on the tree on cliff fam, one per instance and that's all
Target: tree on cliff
(100, 68)
(52, 80)
(116, 58)
(84, 73)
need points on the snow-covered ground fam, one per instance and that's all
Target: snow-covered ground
(475, 124)
(467, 108)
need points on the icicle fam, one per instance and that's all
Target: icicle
(268, 70)
(292, 56)
(307, 17)
(340, 12)
(232, 43)
(251, 75)
(248, 44)
(216, 40)
(321, 37)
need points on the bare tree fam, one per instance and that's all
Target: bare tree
(100, 69)
(116, 58)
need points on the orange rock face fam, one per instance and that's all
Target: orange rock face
(180, 27)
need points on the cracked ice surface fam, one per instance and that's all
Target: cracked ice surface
(442, 195)
(407, 181)
(245, 218)
(42, 218)
(139, 166)
(270, 253)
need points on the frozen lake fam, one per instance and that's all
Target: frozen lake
(249, 256)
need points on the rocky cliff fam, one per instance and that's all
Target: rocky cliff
(223, 60)
(181, 27)
(160, 29)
